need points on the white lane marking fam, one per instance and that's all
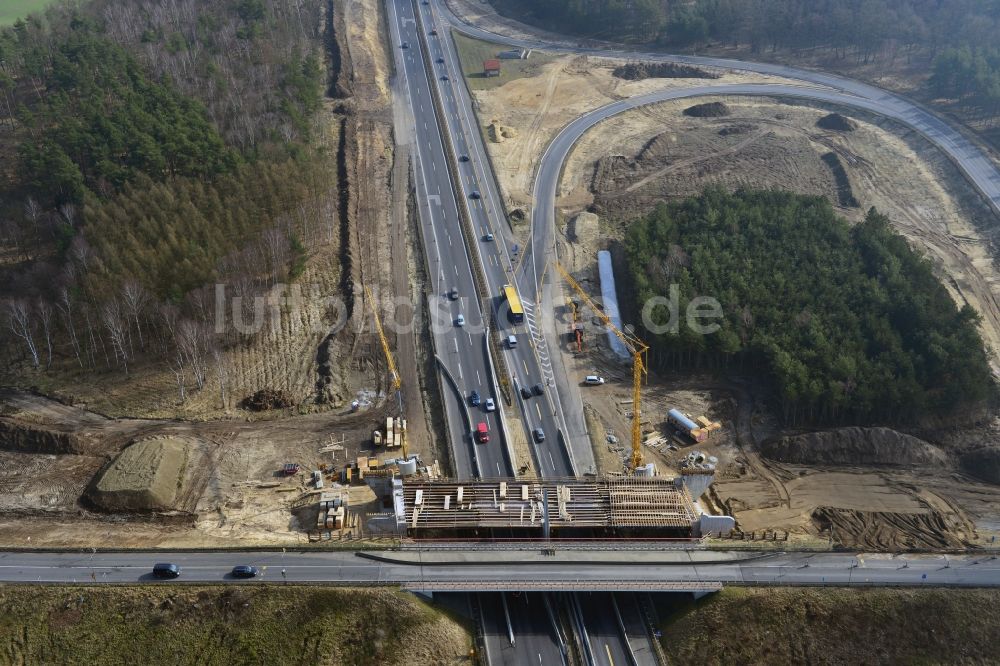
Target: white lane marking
(460, 375)
(479, 379)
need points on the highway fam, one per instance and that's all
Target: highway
(529, 572)
(529, 362)
(463, 352)
(531, 623)
(461, 349)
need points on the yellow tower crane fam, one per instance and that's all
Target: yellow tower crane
(397, 381)
(637, 348)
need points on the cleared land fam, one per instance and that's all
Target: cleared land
(539, 105)
(835, 626)
(11, 10)
(224, 625)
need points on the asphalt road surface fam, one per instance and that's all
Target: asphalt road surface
(529, 362)
(461, 349)
(349, 568)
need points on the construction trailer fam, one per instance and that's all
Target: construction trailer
(621, 507)
(491, 67)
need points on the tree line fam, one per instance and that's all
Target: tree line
(157, 148)
(849, 324)
(866, 30)
(969, 75)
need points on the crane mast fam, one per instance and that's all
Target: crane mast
(637, 348)
(396, 380)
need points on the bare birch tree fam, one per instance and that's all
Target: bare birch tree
(19, 320)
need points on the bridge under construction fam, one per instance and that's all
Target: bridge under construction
(622, 507)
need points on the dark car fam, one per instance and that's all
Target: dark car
(434, 33)
(475, 195)
(440, 61)
(538, 389)
(463, 158)
(474, 398)
(166, 570)
(525, 392)
(244, 571)
(405, 45)
(445, 78)
(539, 435)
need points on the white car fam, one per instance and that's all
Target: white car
(490, 405)
(460, 320)
(593, 380)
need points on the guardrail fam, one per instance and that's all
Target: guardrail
(498, 359)
(465, 408)
(501, 418)
(521, 585)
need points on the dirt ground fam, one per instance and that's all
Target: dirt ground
(539, 106)
(233, 492)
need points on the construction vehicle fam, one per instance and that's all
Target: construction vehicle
(638, 349)
(290, 469)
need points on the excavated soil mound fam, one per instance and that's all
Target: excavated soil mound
(707, 110)
(24, 437)
(983, 464)
(266, 399)
(636, 71)
(852, 446)
(836, 122)
(146, 476)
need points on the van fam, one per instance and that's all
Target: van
(511, 341)
(166, 570)
(593, 380)
(482, 433)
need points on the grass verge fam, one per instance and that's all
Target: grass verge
(835, 626)
(11, 10)
(472, 53)
(224, 625)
